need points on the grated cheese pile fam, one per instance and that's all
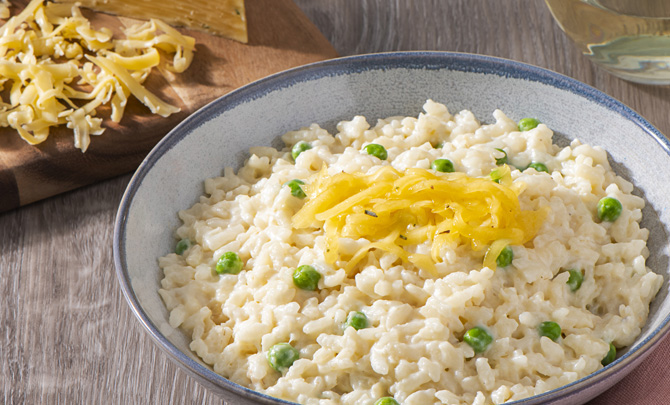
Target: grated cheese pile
(395, 210)
(57, 69)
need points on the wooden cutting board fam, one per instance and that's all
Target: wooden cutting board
(280, 37)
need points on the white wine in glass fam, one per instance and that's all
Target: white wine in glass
(629, 38)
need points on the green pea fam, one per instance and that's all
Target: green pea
(575, 280)
(306, 277)
(182, 246)
(296, 190)
(442, 165)
(282, 356)
(439, 145)
(550, 329)
(526, 124)
(377, 150)
(298, 148)
(610, 356)
(502, 160)
(478, 338)
(356, 320)
(229, 263)
(386, 401)
(539, 167)
(609, 209)
(505, 257)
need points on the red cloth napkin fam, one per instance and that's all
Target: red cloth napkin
(648, 384)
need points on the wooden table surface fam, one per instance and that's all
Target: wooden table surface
(67, 335)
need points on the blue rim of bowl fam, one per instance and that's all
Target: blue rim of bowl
(429, 60)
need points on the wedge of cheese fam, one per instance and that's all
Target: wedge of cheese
(220, 17)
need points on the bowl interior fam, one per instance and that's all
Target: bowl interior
(376, 86)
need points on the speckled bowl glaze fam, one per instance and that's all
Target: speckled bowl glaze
(376, 86)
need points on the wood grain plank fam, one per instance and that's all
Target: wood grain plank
(48, 249)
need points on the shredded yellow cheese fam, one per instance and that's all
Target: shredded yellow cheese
(4, 9)
(397, 210)
(57, 69)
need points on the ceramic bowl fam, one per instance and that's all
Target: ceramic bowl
(376, 86)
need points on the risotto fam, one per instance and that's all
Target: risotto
(424, 260)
